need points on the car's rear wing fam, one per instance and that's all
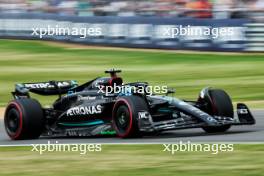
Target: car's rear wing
(44, 88)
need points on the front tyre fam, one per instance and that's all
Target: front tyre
(218, 104)
(24, 119)
(125, 116)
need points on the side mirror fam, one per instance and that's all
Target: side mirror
(170, 91)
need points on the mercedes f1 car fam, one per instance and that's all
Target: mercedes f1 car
(85, 111)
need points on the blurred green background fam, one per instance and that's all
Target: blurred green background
(116, 160)
(241, 75)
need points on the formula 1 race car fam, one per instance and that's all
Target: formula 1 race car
(87, 110)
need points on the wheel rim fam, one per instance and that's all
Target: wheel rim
(122, 121)
(12, 121)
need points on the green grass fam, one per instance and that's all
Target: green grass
(242, 76)
(32, 61)
(114, 160)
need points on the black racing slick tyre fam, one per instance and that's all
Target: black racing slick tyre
(125, 116)
(24, 119)
(219, 104)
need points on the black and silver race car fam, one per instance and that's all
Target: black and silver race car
(86, 110)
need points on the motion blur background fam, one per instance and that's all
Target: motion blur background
(136, 24)
(140, 23)
(252, 9)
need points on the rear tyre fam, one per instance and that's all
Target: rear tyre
(24, 119)
(125, 116)
(219, 104)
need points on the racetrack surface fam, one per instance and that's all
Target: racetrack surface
(237, 134)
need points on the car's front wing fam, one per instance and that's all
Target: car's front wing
(244, 117)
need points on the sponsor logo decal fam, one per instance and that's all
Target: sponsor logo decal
(46, 85)
(242, 111)
(143, 115)
(108, 132)
(84, 110)
(81, 98)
